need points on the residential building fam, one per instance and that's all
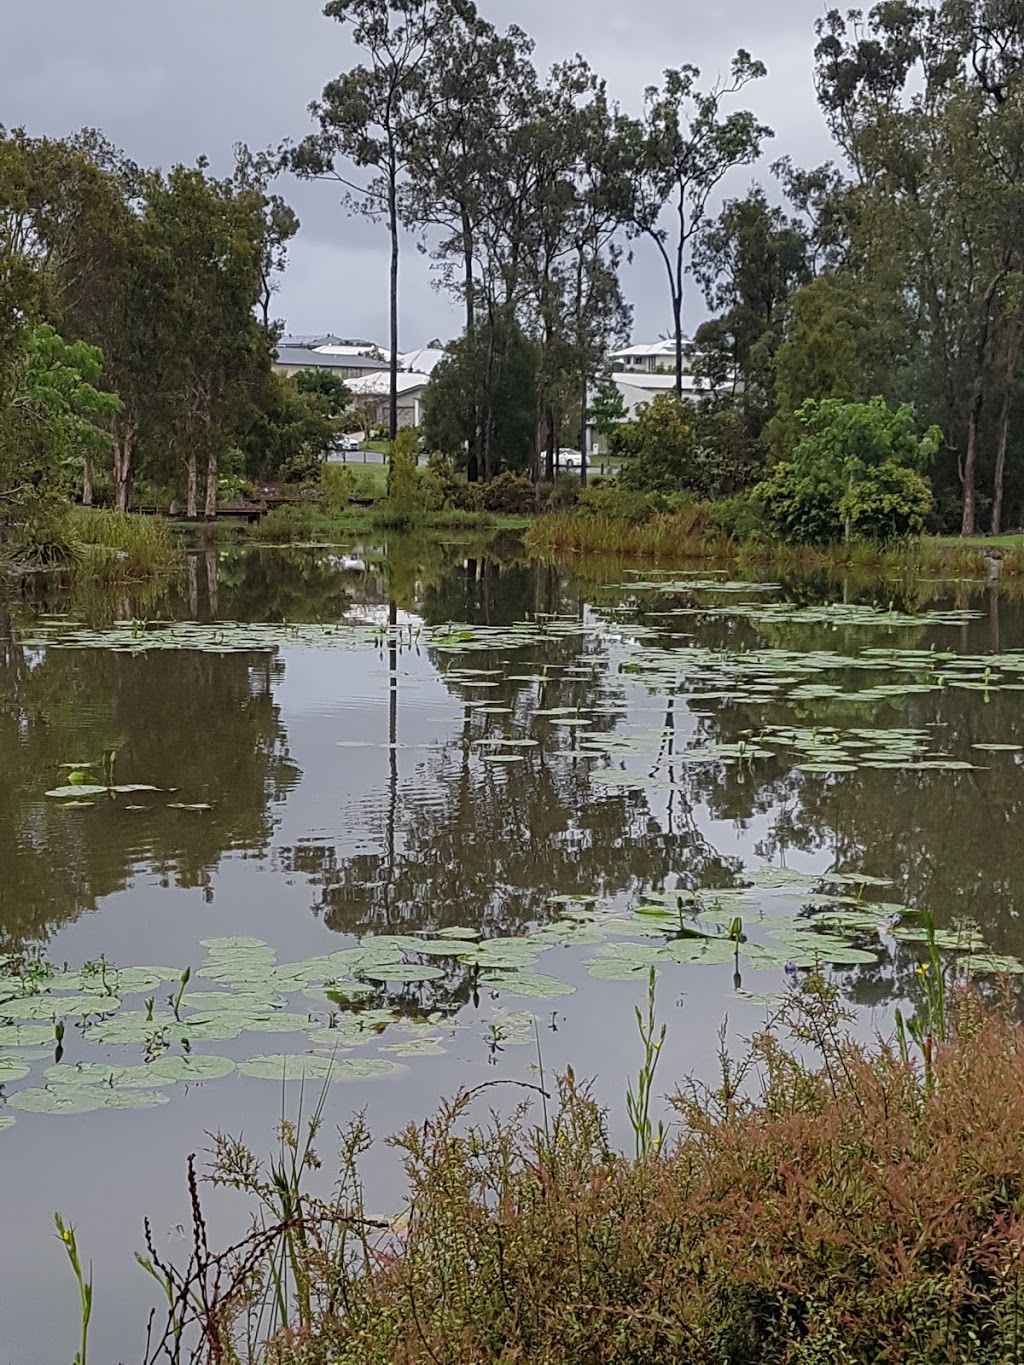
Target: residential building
(653, 357)
(347, 359)
(371, 395)
(638, 388)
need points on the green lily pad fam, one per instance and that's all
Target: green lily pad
(6, 1121)
(12, 1069)
(401, 971)
(310, 1067)
(57, 1006)
(26, 1035)
(530, 985)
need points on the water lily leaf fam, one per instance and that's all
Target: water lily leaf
(12, 1069)
(189, 805)
(130, 1026)
(91, 1075)
(194, 1067)
(617, 969)
(502, 758)
(530, 985)
(998, 964)
(6, 1121)
(57, 1006)
(416, 1047)
(61, 1100)
(310, 1067)
(401, 971)
(25, 1035)
(705, 951)
(274, 1023)
(458, 931)
(220, 1027)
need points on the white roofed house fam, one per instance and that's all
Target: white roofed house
(653, 357)
(347, 359)
(371, 396)
(640, 387)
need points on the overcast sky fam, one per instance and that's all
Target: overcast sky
(171, 82)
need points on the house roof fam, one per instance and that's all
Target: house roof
(665, 347)
(422, 361)
(305, 358)
(379, 385)
(660, 383)
(311, 342)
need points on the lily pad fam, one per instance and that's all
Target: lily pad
(310, 1067)
(530, 985)
(401, 971)
(12, 1069)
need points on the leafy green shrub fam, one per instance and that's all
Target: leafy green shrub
(658, 449)
(509, 494)
(563, 493)
(741, 516)
(850, 474)
(801, 506)
(291, 522)
(611, 499)
(889, 503)
(407, 497)
(337, 487)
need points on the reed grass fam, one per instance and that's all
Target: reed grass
(118, 548)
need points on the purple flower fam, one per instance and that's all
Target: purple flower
(896, 919)
(791, 969)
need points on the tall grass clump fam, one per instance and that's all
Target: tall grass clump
(828, 1202)
(119, 548)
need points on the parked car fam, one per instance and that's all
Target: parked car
(569, 459)
(348, 444)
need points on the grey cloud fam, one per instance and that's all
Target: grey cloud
(169, 83)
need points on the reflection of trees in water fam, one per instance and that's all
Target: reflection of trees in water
(202, 723)
(487, 844)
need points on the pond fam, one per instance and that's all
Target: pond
(404, 820)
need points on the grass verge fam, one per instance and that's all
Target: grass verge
(689, 536)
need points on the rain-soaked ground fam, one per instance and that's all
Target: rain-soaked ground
(408, 821)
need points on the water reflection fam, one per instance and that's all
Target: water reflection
(439, 837)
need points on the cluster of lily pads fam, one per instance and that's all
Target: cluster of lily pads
(356, 1000)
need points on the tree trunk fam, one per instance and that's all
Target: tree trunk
(472, 456)
(583, 433)
(124, 468)
(1012, 356)
(210, 508)
(549, 459)
(393, 223)
(87, 481)
(977, 401)
(191, 485)
(677, 310)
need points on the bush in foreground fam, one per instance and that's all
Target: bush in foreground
(861, 1208)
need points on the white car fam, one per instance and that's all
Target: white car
(569, 459)
(348, 443)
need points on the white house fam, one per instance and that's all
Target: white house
(371, 394)
(347, 359)
(638, 388)
(652, 357)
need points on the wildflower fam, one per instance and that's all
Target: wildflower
(791, 968)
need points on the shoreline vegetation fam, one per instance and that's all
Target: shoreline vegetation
(825, 1201)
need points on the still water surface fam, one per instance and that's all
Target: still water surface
(565, 748)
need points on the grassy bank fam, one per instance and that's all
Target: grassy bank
(863, 1206)
(113, 548)
(691, 537)
(302, 523)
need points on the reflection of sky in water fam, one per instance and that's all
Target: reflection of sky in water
(329, 820)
